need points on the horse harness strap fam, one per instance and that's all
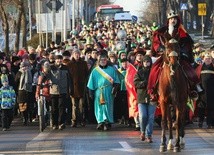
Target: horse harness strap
(207, 72)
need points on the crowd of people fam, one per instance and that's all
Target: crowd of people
(87, 78)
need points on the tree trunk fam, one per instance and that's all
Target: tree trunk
(24, 29)
(5, 27)
(163, 12)
(18, 30)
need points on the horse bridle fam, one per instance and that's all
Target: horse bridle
(171, 54)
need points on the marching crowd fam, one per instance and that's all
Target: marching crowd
(90, 78)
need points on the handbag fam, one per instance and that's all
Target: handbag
(54, 89)
(22, 107)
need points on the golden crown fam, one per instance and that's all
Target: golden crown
(172, 14)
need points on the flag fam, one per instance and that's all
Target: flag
(191, 104)
(131, 91)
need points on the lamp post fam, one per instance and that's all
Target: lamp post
(73, 15)
(30, 21)
(54, 20)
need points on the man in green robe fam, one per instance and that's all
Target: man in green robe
(103, 84)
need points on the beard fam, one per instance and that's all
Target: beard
(171, 29)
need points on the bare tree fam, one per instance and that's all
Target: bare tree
(21, 24)
(5, 25)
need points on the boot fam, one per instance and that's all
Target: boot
(142, 136)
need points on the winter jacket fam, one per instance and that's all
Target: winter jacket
(7, 97)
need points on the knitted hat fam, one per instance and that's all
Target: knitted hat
(4, 78)
(32, 56)
(15, 58)
(23, 64)
(21, 53)
(46, 65)
(147, 58)
(76, 50)
(120, 52)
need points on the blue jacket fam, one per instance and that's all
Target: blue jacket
(7, 97)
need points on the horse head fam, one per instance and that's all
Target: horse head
(172, 54)
(172, 51)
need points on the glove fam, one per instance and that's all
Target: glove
(91, 94)
(115, 89)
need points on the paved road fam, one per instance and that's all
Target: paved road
(207, 41)
(120, 140)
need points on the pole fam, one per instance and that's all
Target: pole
(54, 20)
(30, 21)
(46, 40)
(73, 15)
(65, 20)
(39, 22)
(202, 27)
(184, 20)
(62, 23)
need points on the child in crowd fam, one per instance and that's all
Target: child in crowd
(7, 102)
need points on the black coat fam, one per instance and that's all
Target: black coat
(140, 82)
(207, 81)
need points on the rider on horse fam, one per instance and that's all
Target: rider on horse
(173, 29)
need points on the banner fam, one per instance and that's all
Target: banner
(131, 91)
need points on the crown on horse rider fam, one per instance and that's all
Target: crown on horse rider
(172, 14)
(171, 41)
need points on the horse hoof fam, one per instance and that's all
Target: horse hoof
(182, 145)
(170, 147)
(162, 148)
(176, 149)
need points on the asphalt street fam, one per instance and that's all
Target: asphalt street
(121, 140)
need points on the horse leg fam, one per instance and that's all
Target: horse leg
(182, 133)
(170, 145)
(177, 131)
(163, 147)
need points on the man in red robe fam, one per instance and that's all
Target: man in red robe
(173, 29)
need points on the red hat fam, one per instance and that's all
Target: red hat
(21, 53)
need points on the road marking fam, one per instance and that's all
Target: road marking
(49, 151)
(206, 136)
(40, 143)
(125, 145)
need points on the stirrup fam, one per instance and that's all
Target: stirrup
(194, 95)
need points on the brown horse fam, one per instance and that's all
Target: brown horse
(173, 93)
